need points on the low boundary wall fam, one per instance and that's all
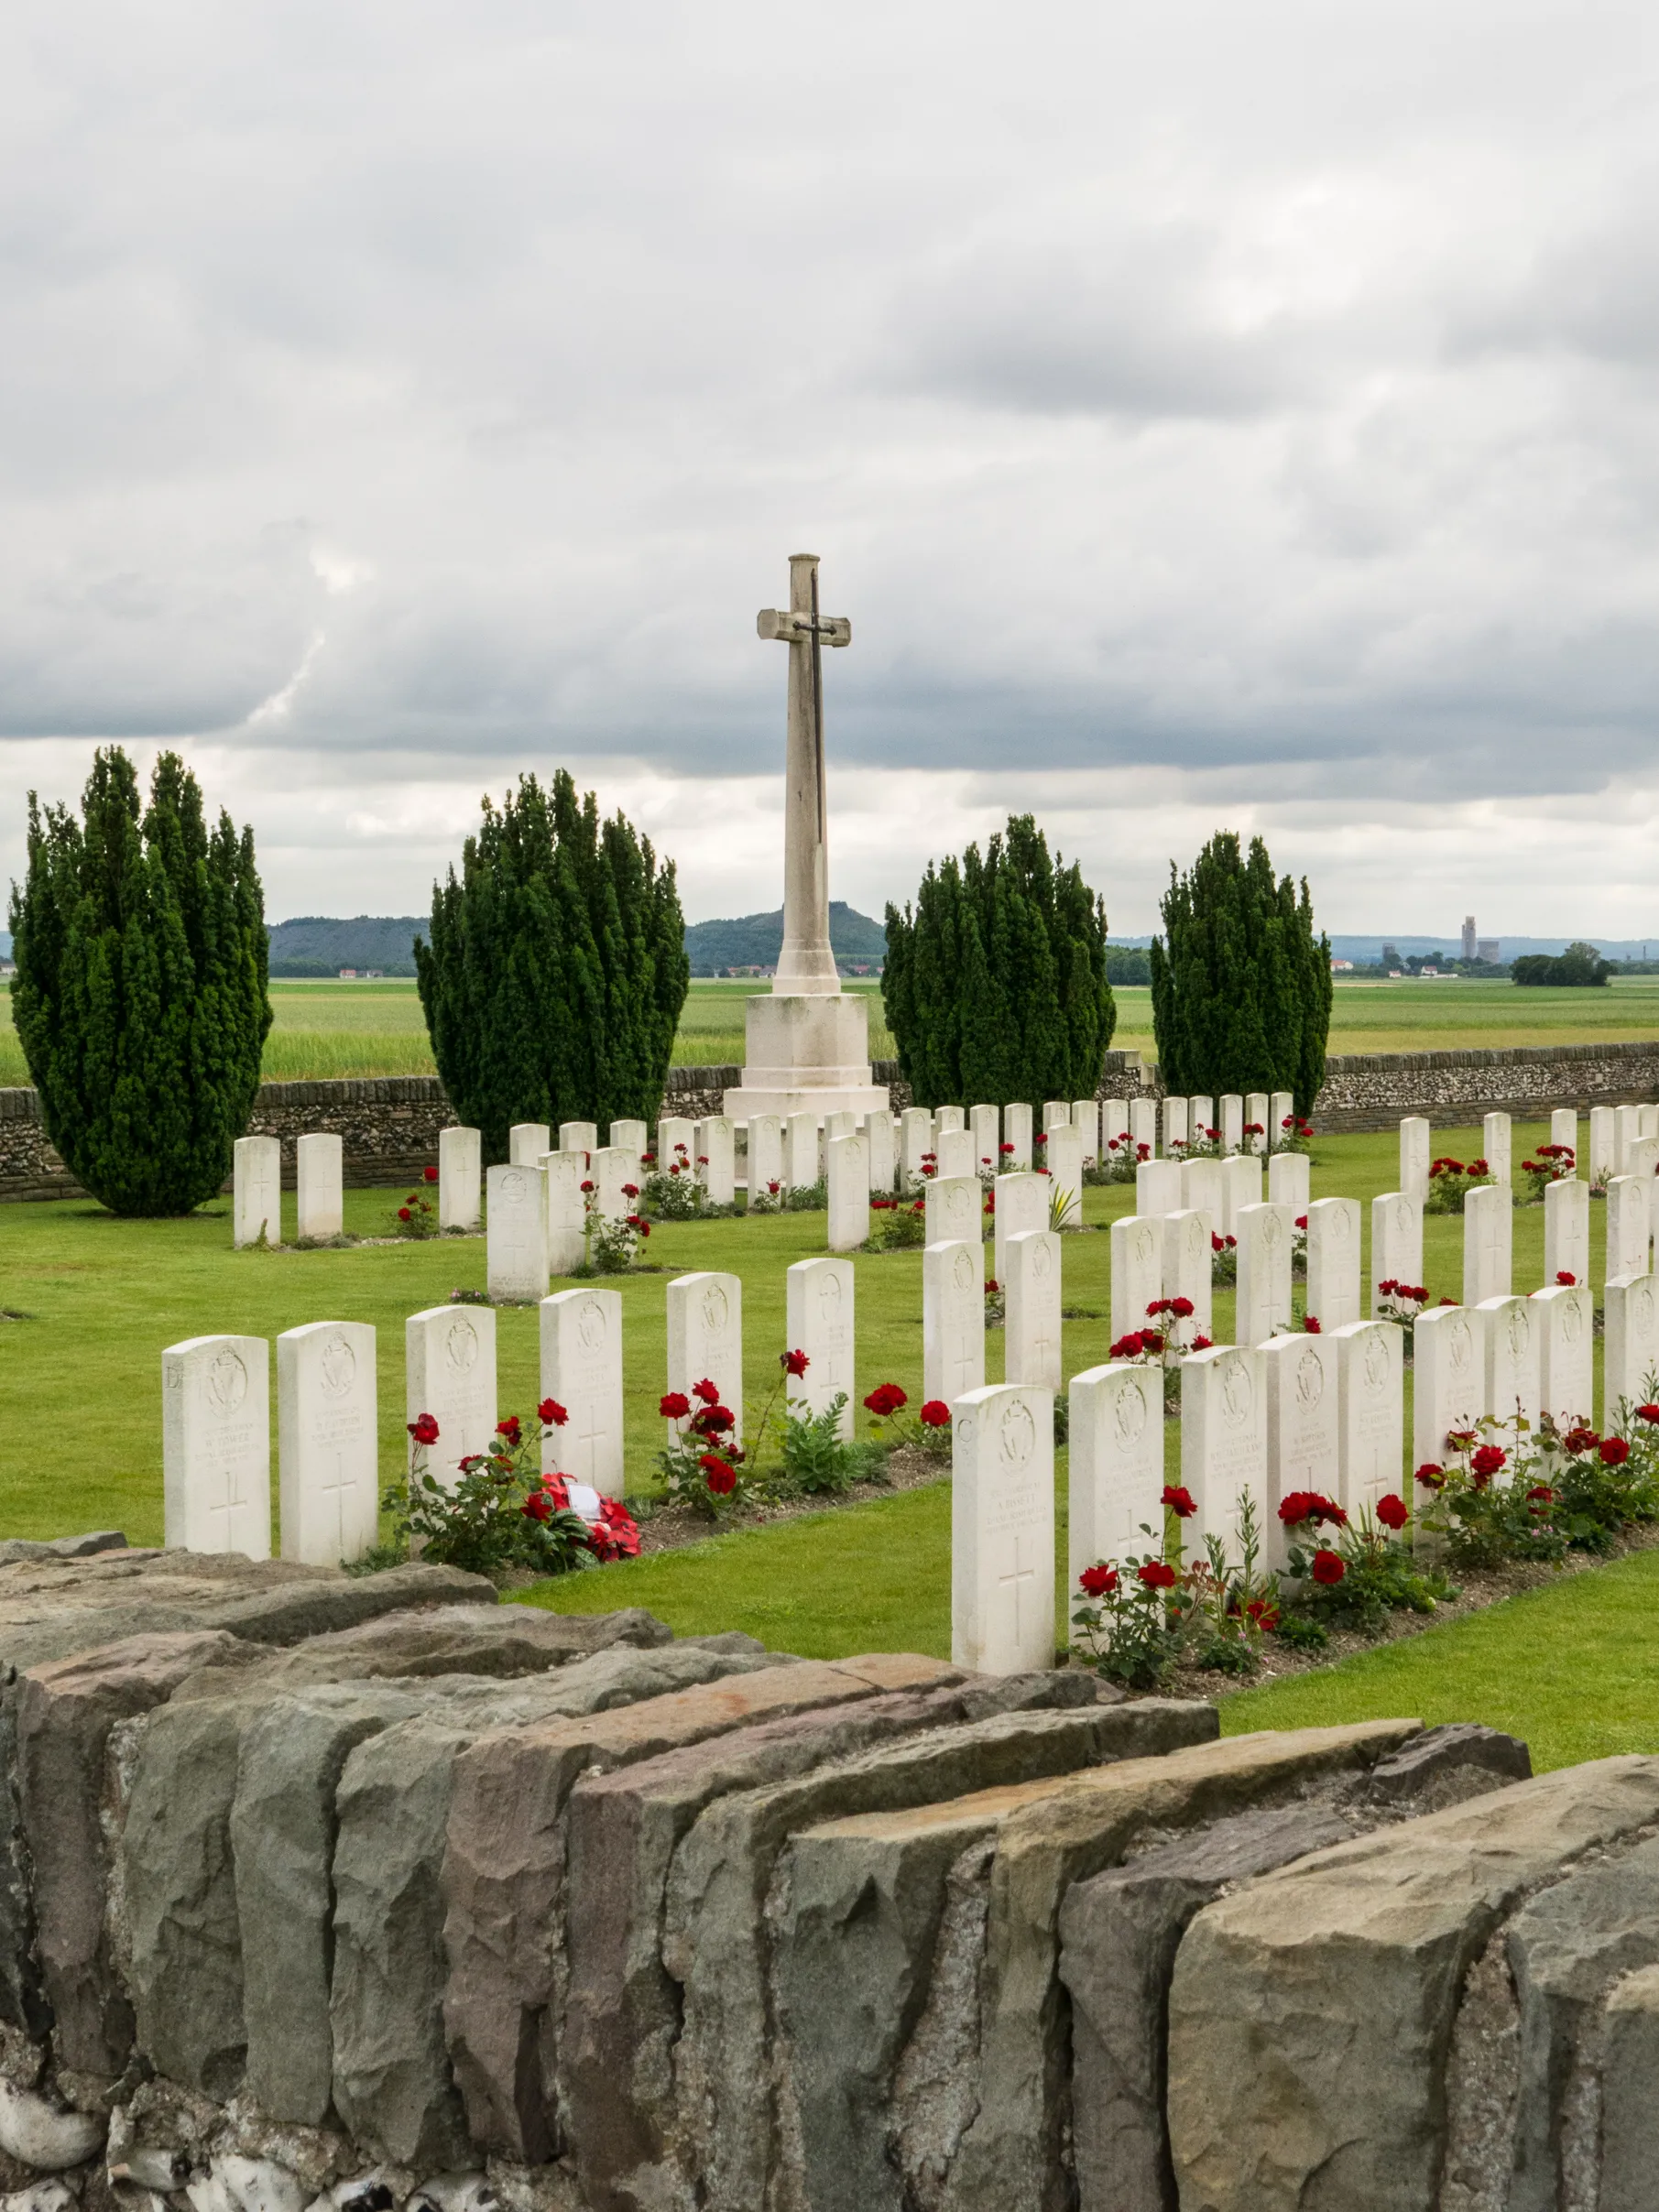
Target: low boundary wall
(390, 1123)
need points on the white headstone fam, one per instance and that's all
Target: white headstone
(581, 1371)
(985, 1127)
(1116, 1142)
(1287, 1181)
(1115, 1472)
(1489, 1217)
(842, 1122)
(574, 1137)
(1300, 1375)
(631, 1137)
(449, 1371)
(717, 1159)
(1263, 1302)
(1224, 1440)
(216, 1445)
(1256, 1114)
(1566, 1354)
(705, 1338)
(610, 1169)
(563, 1174)
(1143, 1124)
(676, 1136)
(882, 1136)
(1333, 1261)
(952, 1320)
(1647, 1120)
(1495, 1141)
(1241, 1187)
(327, 1439)
(1642, 1158)
(1202, 1190)
(1416, 1155)
(765, 1156)
(1031, 1310)
(1448, 1382)
(818, 1297)
(1281, 1110)
(1627, 1130)
(916, 1142)
(949, 1118)
(1066, 1171)
(526, 1142)
(1603, 1160)
(1017, 1131)
(1564, 1128)
(954, 1207)
(1137, 1272)
(954, 1154)
(1158, 1188)
(1200, 1119)
(1629, 1224)
(1085, 1120)
(1174, 1128)
(848, 1187)
(1630, 1345)
(1514, 1367)
(1022, 1203)
(1189, 1265)
(517, 1262)
(460, 1178)
(1056, 1112)
(321, 1176)
(1371, 1376)
(1232, 1123)
(801, 1152)
(1566, 1231)
(1003, 1529)
(1396, 1241)
(256, 1186)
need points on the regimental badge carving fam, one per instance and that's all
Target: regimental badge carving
(1341, 1225)
(717, 1309)
(1641, 1308)
(1018, 1437)
(962, 1271)
(1128, 1412)
(513, 1184)
(590, 1326)
(1144, 1246)
(337, 1367)
(460, 1348)
(1310, 1379)
(1459, 1347)
(1042, 1263)
(1238, 1391)
(225, 1384)
(1572, 1321)
(1374, 1363)
(829, 1294)
(172, 1377)
(1518, 1325)
(1273, 1232)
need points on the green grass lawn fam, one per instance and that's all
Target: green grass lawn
(81, 1436)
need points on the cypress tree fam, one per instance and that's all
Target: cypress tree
(1241, 988)
(995, 983)
(556, 971)
(140, 992)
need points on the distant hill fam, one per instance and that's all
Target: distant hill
(313, 944)
(755, 941)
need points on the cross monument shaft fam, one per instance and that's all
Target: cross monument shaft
(806, 965)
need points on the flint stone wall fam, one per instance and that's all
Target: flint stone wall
(373, 1893)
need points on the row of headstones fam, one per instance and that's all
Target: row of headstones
(256, 1188)
(1172, 1129)
(1623, 1141)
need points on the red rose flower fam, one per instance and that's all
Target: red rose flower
(588, 1187)
(1541, 1494)
(1392, 1512)
(537, 1506)
(1098, 1582)
(719, 1474)
(1128, 1347)
(1614, 1451)
(1301, 1221)
(404, 1213)
(1488, 1461)
(1203, 1344)
(885, 1399)
(1328, 1568)
(630, 1189)
(1040, 1137)
(1569, 1280)
(675, 1406)
(1005, 1149)
(1648, 1413)
(714, 1421)
(1178, 1500)
(424, 1429)
(1581, 1440)
(551, 1414)
(1431, 1475)
(1311, 1325)
(935, 1414)
(793, 1363)
(1157, 1575)
(508, 1428)
(430, 1174)
(708, 1391)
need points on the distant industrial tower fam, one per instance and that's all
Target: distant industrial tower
(1469, 937)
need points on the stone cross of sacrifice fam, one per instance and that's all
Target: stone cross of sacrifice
(806, 964)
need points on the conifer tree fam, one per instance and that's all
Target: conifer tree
(995, 983)
(1241, 988)
(556, 971)
(140, 992)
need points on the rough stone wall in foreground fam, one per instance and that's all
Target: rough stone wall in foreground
(364, 1893)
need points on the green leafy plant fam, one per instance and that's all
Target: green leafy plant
(896, 1224)
(672, 1192)
(816, 1458)
(1241, 988)
(498, 1515)
(140, 993)
(702, 1466)
(1483, 1521)
(417, 1216)
(556, 969)
(1450, 1182)
(1363, 1571)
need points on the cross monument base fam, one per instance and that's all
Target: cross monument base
(806, 1055)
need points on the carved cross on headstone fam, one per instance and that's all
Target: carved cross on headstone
(1016, 1577)
(806, 962)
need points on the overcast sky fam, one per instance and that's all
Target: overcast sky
(1213, 414)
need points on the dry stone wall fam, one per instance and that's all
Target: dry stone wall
(366, 1894)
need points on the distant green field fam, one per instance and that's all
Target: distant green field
(376, 1029)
